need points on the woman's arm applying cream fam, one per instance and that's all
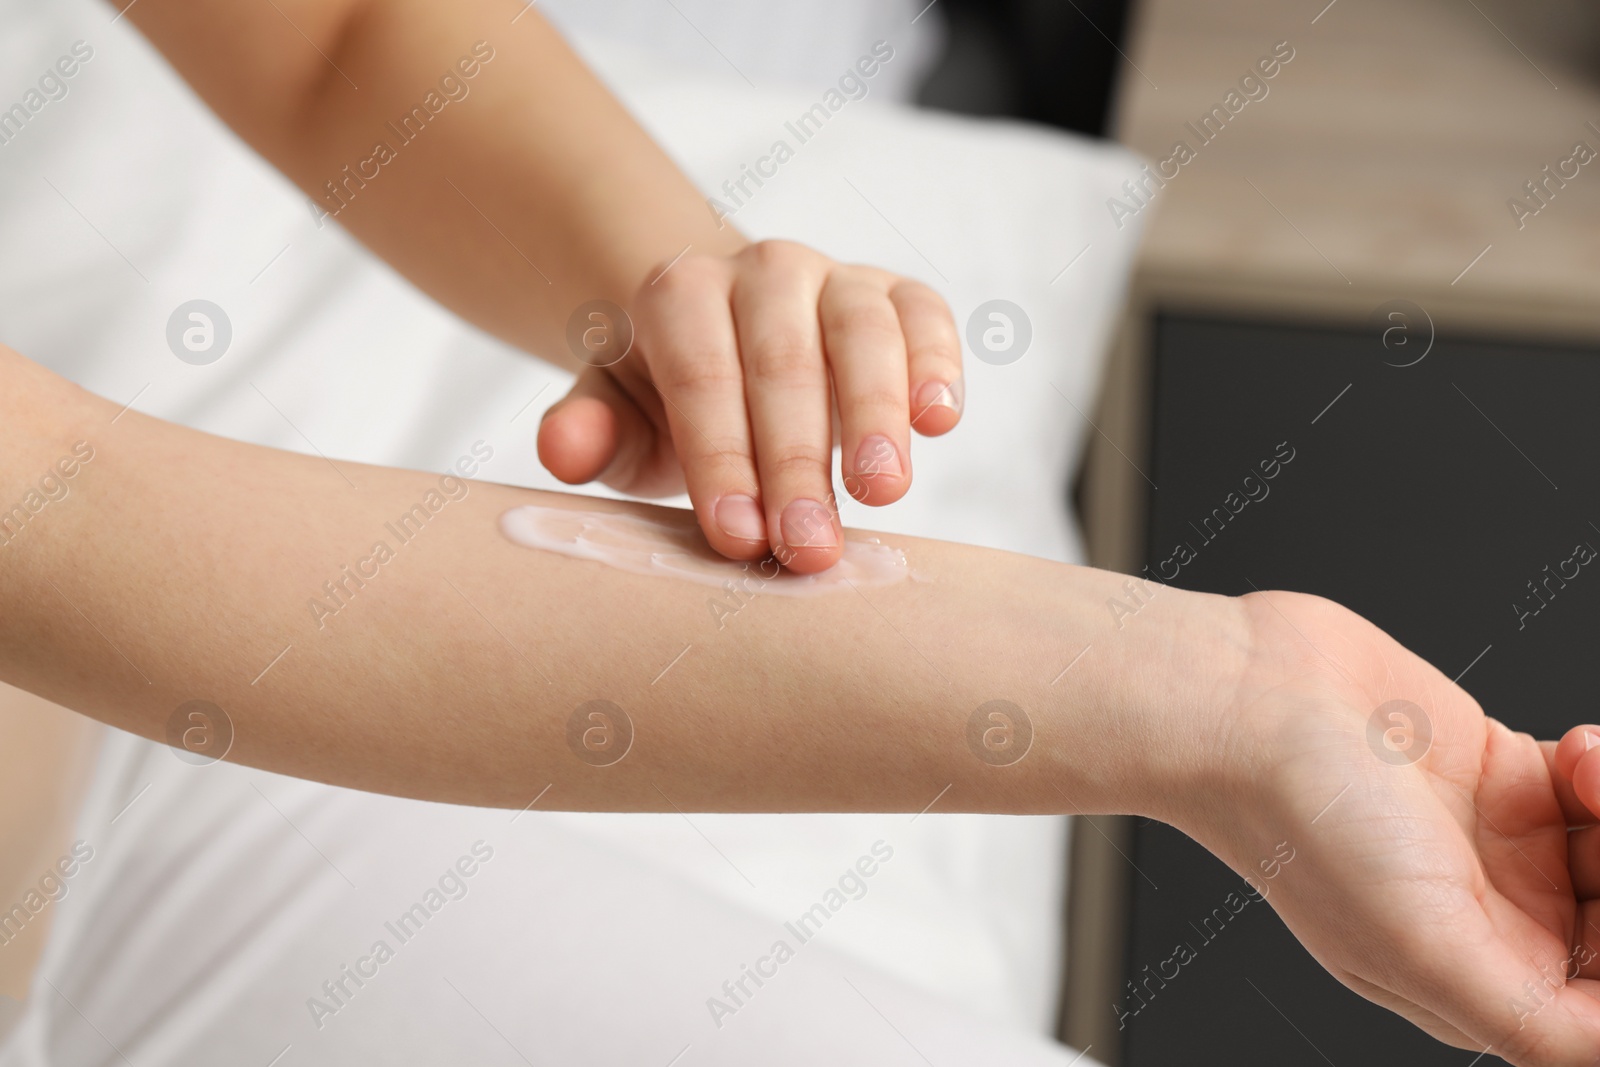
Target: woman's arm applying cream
(377, 628)
(145, 566)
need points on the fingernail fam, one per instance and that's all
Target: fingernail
(739, 517)
(878, 458)
(807, 524)
(940, 394)
(1589, 740)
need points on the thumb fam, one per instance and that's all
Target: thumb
(597, 431)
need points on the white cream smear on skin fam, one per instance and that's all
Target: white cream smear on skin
(675, 548)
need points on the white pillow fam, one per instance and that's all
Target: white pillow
(127, 198)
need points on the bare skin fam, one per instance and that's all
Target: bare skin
(860, 701)
(1445, 886)
(741, 350)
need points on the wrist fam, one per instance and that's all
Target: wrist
(1283, 677)
(1178, 747)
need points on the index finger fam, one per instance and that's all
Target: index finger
(687, 333)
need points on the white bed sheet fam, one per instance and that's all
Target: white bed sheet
(127, 198)
(224, 915)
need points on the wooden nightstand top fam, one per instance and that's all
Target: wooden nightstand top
(1378, 165)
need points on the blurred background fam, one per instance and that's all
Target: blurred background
(1048, 61)
(1384, 256)
(1380, 256)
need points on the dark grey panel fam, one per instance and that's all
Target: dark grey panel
(1426, 497)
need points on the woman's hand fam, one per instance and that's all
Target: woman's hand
(741, 350)
(1433, 868)
(730, 388)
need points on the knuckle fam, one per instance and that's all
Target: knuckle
(915, 294)
(861, 274)
(802, 460)
(864, 319)
(937, 349)
(678, 376)
(777, 254)
(723, 454)
(936, 337)
(875, 402)
(789, 357)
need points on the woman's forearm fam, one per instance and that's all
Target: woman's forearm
(177, 567)
(1422, 851)
(513, 194)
